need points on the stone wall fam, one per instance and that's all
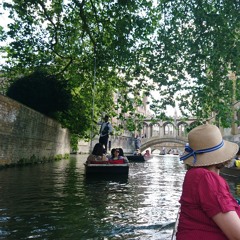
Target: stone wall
(227, 135)
(28, 136)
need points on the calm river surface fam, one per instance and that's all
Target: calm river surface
(55, 201)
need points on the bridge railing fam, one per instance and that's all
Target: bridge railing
(165, 137)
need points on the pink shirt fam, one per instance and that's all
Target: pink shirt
(204, 195)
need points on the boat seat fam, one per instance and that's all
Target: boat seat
(118, 161)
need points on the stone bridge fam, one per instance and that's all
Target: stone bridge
(173, 134)
(169, 134)
(167, 142)
(164, 134)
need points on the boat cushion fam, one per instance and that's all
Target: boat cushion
(118, 161)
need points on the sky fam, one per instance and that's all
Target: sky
(4, 20)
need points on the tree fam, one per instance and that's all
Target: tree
(183, 49)
(78, 38)
(45, 93)
(198, 47)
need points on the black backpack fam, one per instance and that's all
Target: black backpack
(105, 130)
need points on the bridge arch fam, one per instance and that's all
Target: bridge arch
(158, 134)
(168, 128)
(176, 127)
(151, 142)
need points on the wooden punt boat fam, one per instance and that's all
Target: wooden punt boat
(175, 226)
(232, 171)
(135, 158)
(106, 169)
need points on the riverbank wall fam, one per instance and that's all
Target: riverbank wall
(26, 136)
(227, 135)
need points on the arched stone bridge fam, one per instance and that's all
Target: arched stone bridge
(164, 134)
(163, 142)
(172, 134)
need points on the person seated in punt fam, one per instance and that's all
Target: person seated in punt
(208, 210)
(121, 154)
(97, 155)
(115, 157)
(137, 153)
(147, 153)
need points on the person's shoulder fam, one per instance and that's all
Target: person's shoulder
(90, 157)
(201, 173)
(104, 158)
(198, 171)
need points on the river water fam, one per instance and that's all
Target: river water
(55, 201)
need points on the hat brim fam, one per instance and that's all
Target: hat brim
(223, 154)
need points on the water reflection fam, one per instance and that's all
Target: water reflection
(56, 201)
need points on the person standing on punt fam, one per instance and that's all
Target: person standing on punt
(208, 211)
(105, 130)
(137, 142)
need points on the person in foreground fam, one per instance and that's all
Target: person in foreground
(208, 211)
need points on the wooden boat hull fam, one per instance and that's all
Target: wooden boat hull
(232, 171)
(135, 158)
(107, 169)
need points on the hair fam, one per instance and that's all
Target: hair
(112, 152)
(98, 149)
(218, 166)
(121, 153)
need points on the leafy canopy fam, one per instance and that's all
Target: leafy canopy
(42, 92)
(182, 49)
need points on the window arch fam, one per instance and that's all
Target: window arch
(168, 129)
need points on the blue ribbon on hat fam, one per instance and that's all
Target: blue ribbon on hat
(193, 153)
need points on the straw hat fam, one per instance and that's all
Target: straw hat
(206, 147)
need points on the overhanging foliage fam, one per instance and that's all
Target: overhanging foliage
(183, 49)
